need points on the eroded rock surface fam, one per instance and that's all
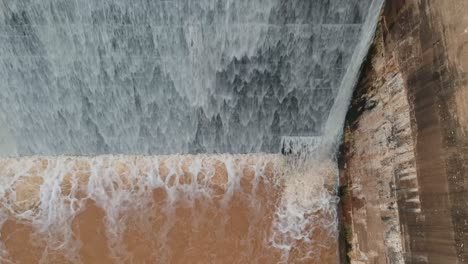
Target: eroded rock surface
(405, 157)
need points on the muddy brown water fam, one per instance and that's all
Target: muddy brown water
(197, 209)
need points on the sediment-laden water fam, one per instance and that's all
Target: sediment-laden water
(173, 209)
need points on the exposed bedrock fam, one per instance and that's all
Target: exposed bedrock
(404, 159)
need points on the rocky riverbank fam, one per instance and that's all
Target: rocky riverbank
(404, 160)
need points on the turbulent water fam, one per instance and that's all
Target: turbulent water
(166, 209)
(158, 77)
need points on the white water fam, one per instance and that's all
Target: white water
(162, 77)
(50, 193)
(336, 118)
(179, 91)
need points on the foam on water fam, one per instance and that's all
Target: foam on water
(307, 207)
(50, 193)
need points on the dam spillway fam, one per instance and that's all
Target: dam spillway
(133, 82)
(168, 77)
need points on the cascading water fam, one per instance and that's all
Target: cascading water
(163, 77)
